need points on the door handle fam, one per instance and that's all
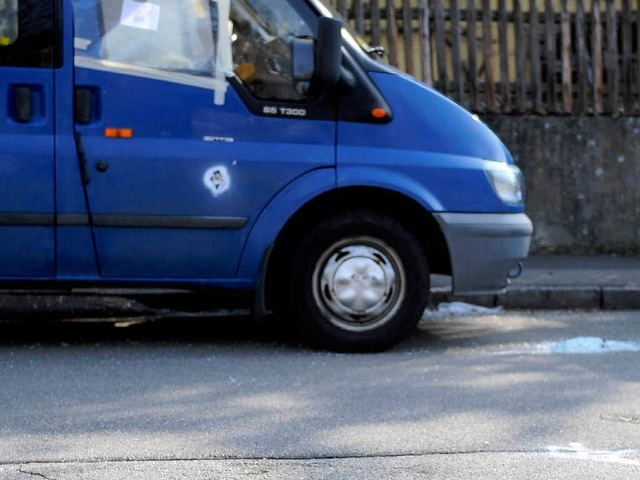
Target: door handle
(23, 111)
(86, 108)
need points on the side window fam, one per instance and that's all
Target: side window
(26, 33)
(263, 36)
(180, 36)
(168, 35)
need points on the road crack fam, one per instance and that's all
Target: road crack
(22, 470)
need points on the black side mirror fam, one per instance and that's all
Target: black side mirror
(328, 53)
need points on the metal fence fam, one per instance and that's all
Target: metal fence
(513, 56)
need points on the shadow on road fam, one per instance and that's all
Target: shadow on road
(432, 334)
(216, 330)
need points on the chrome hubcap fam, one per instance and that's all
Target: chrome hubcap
(359, 284)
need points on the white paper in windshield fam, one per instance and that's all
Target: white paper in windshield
(142, 15)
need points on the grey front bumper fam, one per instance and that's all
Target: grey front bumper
(484, 248)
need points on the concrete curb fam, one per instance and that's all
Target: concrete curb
(114, 304)
(621, 298)
(552, 298)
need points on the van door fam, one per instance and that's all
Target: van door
(28, 53)
(174, 181)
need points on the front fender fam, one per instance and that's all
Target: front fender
(387, 179)
(275, 215)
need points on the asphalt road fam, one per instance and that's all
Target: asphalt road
(514, 395)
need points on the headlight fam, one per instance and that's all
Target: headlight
(507, 182)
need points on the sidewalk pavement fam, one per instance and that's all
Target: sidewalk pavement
(563, 282)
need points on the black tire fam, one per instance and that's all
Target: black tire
(357, 282)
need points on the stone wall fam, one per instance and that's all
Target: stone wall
(583, 180)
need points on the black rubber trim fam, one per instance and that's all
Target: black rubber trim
(73, 220)
(357, 104)
(120, 221)
(27, 219)
(158, 221)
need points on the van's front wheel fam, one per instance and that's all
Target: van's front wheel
(358, 281)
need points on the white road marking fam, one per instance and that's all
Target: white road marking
(459, 309)
(577, 451)
(576, 346)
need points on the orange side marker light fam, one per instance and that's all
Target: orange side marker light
(118, 132)
(379, 113)
(111, 132)
(125, 133)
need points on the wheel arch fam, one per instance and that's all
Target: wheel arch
(405, 209)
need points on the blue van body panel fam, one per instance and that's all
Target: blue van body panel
(427, 121)
(433, 150)
(181, 141)
(351, 174)
(439, 182)
(26, 176)
(276, 214)
(27, 252)
(70, 197)
(200, 192)
(75, 252)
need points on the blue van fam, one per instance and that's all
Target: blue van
(244, 145)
